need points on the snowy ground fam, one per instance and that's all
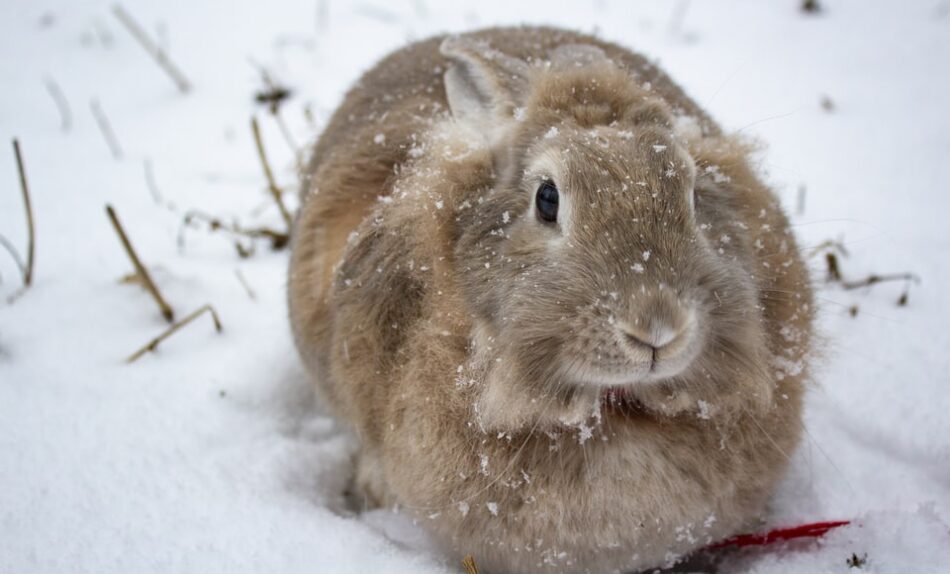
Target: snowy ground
(209, 455)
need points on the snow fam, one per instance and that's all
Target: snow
(211, 455)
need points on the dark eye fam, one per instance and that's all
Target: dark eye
(546, 201)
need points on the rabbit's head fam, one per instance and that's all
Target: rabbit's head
(590, 264)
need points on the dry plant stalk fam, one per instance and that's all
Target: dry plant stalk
(139, 268)
(469, 564)
(153, 49)
(278, 240)
(31, 231)
(245, 284)
(272, 187)
(106, 128)
(55, 92)
(874, 279)
(832, 247)
(153, 344)
(834, 271)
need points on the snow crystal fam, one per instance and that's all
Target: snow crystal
(551, 133)
(637, 268)
(704, 409)
(463, 508)
(492, 508)
(379, 139)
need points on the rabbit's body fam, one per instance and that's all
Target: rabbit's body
(473, 346)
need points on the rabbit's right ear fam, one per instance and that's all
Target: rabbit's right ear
(482, 85)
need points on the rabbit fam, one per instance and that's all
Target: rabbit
(568, 324)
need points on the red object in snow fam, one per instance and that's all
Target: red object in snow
(813, 530)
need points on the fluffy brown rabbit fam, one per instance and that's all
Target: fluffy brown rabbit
(566, 321)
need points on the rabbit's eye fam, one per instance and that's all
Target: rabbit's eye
(546, 201)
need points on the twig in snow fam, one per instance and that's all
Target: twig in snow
(308, 115)
(834, 271)
(874, 279)
(139, 268)
(800, 204)
(273, 96)
(243, 281)
(679, 15)
(285, 131)
(278, 239)
(159, 55)
(469, 564)
(857, 561)
(28, 206)
(153, 344)
(811, 6)
(106, 128)
(831, 249)
(275, 191)
(65, 114)
(153, 190)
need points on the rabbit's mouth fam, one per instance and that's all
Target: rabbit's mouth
(628, 370)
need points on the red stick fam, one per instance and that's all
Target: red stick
(813, 530)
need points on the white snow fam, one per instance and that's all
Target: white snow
(210, 455)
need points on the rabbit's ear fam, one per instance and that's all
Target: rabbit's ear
(481, 84)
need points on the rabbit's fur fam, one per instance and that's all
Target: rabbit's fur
(480, 354)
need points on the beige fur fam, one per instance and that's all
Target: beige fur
(484, 359)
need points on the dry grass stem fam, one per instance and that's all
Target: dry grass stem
(834, 271)
(139, 268)
(811, 6)
(874, 279)
(28, 205)
(153, 344)
(65, 114)
(153, 49)
(154, 191)
(272, 187)
(469, 564)
(800, 202)
(106, 128)
(285, 131)
(278, 239)
(244, 283)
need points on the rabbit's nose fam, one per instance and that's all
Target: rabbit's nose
(654, 336)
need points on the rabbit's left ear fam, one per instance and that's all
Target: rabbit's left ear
(482, 85)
